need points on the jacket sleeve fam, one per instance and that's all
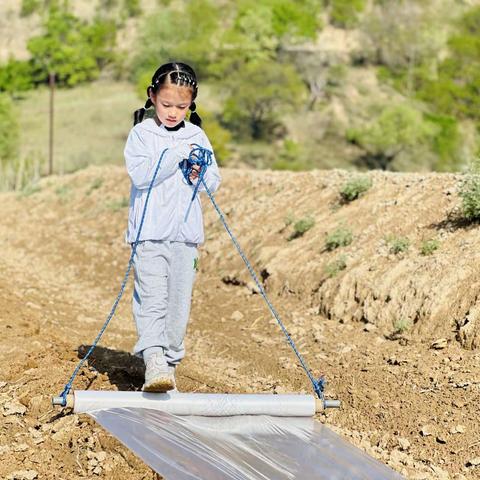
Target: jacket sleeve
(141, 161)
(212, 176)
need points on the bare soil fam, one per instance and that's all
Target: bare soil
(395, 335)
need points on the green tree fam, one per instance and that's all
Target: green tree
(405, 36)
(262, 29)
(399, 135)
(200, 27)
(260, 92)
(454, 90)
(15, 76)
(74, 50)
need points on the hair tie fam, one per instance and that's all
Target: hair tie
(193, 107)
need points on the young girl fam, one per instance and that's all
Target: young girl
(166, 257)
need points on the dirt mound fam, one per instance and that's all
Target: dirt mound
(395, 334)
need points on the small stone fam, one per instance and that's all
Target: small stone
(13, 407)
(23, 475)
(317, 336)
(440, 474)
(439, 344)
(4, 449)
(457, 429)
(441, 439)
(403, 443)
(3, 384)
(369, 327)
(426, 431)
(101, 456)
(474, 462)
(383, 443)
(20, 447)
(236, 315)
(33, 305)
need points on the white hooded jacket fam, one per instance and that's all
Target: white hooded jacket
(171, 194)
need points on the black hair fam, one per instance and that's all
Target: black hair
(174, 73)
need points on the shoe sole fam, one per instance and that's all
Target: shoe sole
(160, 385)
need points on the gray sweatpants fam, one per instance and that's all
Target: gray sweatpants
(164, 277)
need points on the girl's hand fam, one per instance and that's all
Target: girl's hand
(195, 172)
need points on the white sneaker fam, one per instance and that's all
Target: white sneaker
(171, 369)
(158, 375)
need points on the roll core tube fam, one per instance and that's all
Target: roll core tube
(200, 404)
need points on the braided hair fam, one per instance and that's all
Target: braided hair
(174, 73)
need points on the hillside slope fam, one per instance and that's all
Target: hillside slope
(369, 327)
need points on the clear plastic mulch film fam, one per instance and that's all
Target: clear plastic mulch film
(239, 447)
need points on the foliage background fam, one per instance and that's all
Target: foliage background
(284, 84)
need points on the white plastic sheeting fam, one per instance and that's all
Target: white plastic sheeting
(238, 447)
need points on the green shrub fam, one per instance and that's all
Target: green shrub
(132, 8)
(469, 192)
(429, 246)
(341, 237)
(344, 13)
(289, 219)
(15, 76)
(355, 187)
(9, 131)
(29, 7)
(301, 227)
(12, 167)
(401, 325)
(398, 244)
(334, 268)
(447, 142)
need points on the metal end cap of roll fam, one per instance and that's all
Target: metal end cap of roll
(332, 404)
(68, 401)
(59, 401)
(322, 404)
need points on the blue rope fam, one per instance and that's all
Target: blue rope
(202, 157)
(318, 384)
(198, 156)
(68, 385)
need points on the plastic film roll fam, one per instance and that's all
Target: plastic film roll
(198, 404)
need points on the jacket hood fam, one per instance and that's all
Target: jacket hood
(150, 125)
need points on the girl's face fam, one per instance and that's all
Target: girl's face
(171, 104)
